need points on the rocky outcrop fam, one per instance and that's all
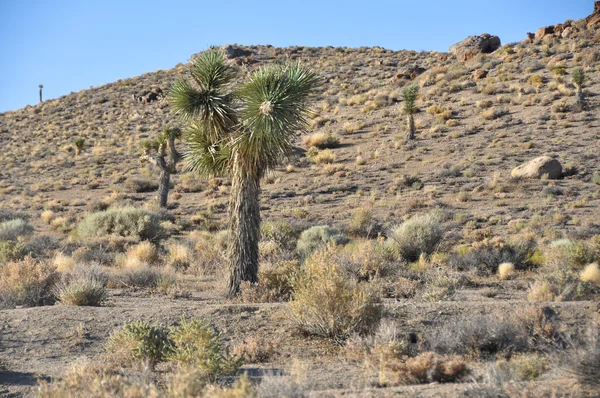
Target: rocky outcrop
(545, 31)
(479, 74)
(409, 73)
(538, 167)
(156, 94)
(233, 51)
(594, 18)
(474, 45)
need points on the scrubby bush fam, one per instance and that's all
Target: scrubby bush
(274, 283)
(483, 335)
(363, 223)
(587, 366)
(126, 221)
(12, 229)
(321, 140)
(11, 251)
(428, 368)
(280, 232)
(329, 304)
(27, 283)
(140, 340)
(82, 286)
(486, 256)
(317, 237)
(194, 343)
(420, 234)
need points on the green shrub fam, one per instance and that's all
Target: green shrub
(327, 303)
(317, 237)
(127, 221)
(83, 286)
(27, 283)
(279, 231)
(140, 340)
(11, 251)
(420, 234)
(195, 343)
(12, 229)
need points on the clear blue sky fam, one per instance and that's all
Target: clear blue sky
(69, 45)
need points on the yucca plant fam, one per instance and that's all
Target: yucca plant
(409, 95)
(578, 80)
(165, 159)
(241, 131)
(41, 86)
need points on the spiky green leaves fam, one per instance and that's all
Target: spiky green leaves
(203, 155)
(274, 109)
(409, 95)
(578, 77)
(211, 72)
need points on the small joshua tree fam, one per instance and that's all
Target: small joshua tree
(409, 95)
(165, 158)
(578, 81)
(41, 88)
(78, 143)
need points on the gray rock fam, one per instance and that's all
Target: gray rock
(474, 45)
(536, 168)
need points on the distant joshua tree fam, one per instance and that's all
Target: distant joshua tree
(41, 88)
(409, 95)
(165, 159)
(241, 132)
(578, 80)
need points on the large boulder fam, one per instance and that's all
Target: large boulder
(536, 168)
(594, 18)
(543, 32)
(234, 51)
(474, 45)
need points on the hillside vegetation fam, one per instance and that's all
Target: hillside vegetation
(387, 266)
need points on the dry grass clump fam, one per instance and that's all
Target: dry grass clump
(420, 234)
(429, 368)
(62, 262)
(327, 303)
(506, 270)
(82, 286)
(255, 350)
(587, 366)
(326, 156)
(139, 341)
(591, 273)
(144, 253)
(27, 283)
(179, 256)
(362, 222)
(274, 283)
(126, 221)
(321, 140)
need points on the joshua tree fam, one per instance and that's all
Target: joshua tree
(78, 143)
(165, 159)
(41, 88)
(409, 95)
(241, 132)
(578, 81)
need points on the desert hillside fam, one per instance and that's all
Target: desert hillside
(482, 282)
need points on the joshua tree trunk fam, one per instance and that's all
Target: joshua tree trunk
(580, 98)
(173, 155)
(40, 95)
(163, 184)
(410, 125)
(244, 229)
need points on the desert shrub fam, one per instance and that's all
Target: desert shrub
(482, 335)
(274, 283)
(321, 140)
(126, 221)
(506, 270)
(255, 350)
(327, 303)
(27, 283)
(441, 283)
(428, 368)
(280, 232)
(144, 253)
(209, 253)
(317, 237)
(527, 366)
(12, 229)
(486, 256)
(82, 286)
(325, 156)
(420, 234)
(11, 251)
(142, 276)
(141, 186)
(140, 340)
(195, 343)
(179, 256)
(591, 273)
(364, 259)
(362, 222)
